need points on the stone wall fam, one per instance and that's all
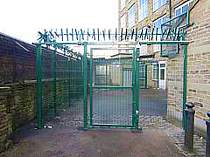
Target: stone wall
(18, 85)
(16, 109)
(5, 124)
(198, 75)
(17, 103)
(17, 98)
(175, 87)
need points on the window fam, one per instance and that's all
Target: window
(100, 70)
(158, 3)
(157, 24)
(142, 73)
(143, 9)
(155, 71)
(132, 16)
(183, 8)
(143, 47)
(123, 21)
(122, 4)
(162, 74)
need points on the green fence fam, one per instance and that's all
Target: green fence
(59, 84)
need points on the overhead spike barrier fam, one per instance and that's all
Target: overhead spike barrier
(104, 34)
(109, 34)
(124, 34)
(98, 34)
(132, 34)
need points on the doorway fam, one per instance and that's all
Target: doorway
(162, 75)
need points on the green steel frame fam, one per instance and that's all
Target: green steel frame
(135, 84)
(184, 87)
(45, 40)
(135, 80)
(39, 104)
(134, 87)
(85, 83)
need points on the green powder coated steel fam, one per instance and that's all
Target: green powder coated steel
(137, 88)
(184, 86)
(113, 84)
(91, 88)
(59, 84)
(85, 83)
(39, 86)
(54, 81)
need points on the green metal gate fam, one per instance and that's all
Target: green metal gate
(112, 102)
(101, 86)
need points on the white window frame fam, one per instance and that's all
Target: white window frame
(182, 6)
(158, 4)
(122, 4)
(132, 15)
(157, 48)
(144, 9)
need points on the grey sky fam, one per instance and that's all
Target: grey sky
(23, 18)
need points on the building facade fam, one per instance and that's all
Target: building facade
(167, 73)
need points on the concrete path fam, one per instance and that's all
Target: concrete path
(65, 140)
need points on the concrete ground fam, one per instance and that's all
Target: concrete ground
(64, 139)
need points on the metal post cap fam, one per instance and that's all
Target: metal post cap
(208, 114)
(190, 105)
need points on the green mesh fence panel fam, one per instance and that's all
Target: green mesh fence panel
(62, 86)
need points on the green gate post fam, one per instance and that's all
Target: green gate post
(69, 80)
(91, 88)
(106, 74)
(39, 87)
(145, 75)
(133, 88)
(184, 87)
(66, 80)
(54, 82)
(137, 87)
(85, 83)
